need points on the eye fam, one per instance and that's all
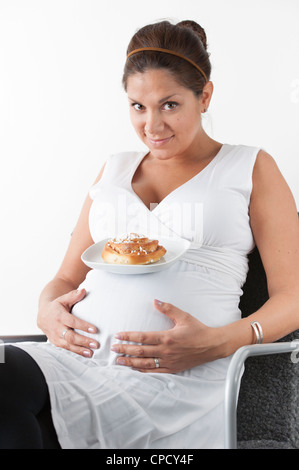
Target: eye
(169, 105)
(137, 106)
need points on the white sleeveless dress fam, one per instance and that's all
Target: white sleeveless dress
(99, 404)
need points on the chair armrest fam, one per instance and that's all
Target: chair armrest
(233, 378)
(19, 339)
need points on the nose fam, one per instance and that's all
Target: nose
(154, 125)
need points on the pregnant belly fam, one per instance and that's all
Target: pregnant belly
(117, 303)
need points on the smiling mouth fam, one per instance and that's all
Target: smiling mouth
(159, 142)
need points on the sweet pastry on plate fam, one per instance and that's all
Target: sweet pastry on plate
(132, 249)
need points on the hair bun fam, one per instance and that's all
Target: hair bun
(200, 32)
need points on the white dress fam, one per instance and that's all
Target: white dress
(99, 404)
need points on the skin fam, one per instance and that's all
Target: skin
(177, 118)
(185, 152)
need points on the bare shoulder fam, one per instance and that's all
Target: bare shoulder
(265, 169)
(274, 220)
(270, 190)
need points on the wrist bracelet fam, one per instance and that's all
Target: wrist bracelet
(258, 331)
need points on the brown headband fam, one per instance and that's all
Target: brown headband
(167, 51)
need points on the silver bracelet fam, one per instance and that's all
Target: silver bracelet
(258, 331)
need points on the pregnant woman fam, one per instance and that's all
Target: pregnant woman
(140, 361)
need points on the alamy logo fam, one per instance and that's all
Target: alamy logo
(122, 216)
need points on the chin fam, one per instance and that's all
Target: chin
(161, 154)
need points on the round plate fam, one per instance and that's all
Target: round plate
(176, 248)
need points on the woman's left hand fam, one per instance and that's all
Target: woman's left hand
(188, 344)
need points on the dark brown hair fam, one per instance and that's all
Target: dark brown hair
(187, 38)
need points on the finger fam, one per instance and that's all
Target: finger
(80, 344)
(83, 346)
(145, 367)
(72, 297)
(85, 352)
(71, 321)
(140, 364)
(148, 337)
(174, 313)
(156, 371)
(135, 350)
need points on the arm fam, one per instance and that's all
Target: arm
(275, 227)
(60, 294)
(274, 222)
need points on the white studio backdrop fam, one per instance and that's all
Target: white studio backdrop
(63, 110)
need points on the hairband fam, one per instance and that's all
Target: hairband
(167, 51)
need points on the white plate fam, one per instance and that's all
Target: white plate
(176, 248)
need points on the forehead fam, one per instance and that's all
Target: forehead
(154, 83)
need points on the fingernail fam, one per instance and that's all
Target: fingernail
(120, 361)
(87, 353)
(118, 336)
(92, 330)
(114, 348)
(158, 302)
(93, 345)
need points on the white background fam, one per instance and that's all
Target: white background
(63, 110)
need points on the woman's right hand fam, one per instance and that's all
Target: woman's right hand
(57, 322)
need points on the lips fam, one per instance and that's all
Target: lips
(159, 142)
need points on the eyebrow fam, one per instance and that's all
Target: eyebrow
(160, 101)
(166, 98)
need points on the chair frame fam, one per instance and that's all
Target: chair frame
(233, 379)
(21, 338)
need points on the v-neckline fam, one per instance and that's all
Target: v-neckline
(157, 205)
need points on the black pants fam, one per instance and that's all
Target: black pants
(25, 416)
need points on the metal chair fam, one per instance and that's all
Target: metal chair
(265, 414)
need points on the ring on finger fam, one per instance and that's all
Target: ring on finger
(157, 365)
(64, 333)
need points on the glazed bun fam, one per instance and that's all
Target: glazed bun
(132, 249)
